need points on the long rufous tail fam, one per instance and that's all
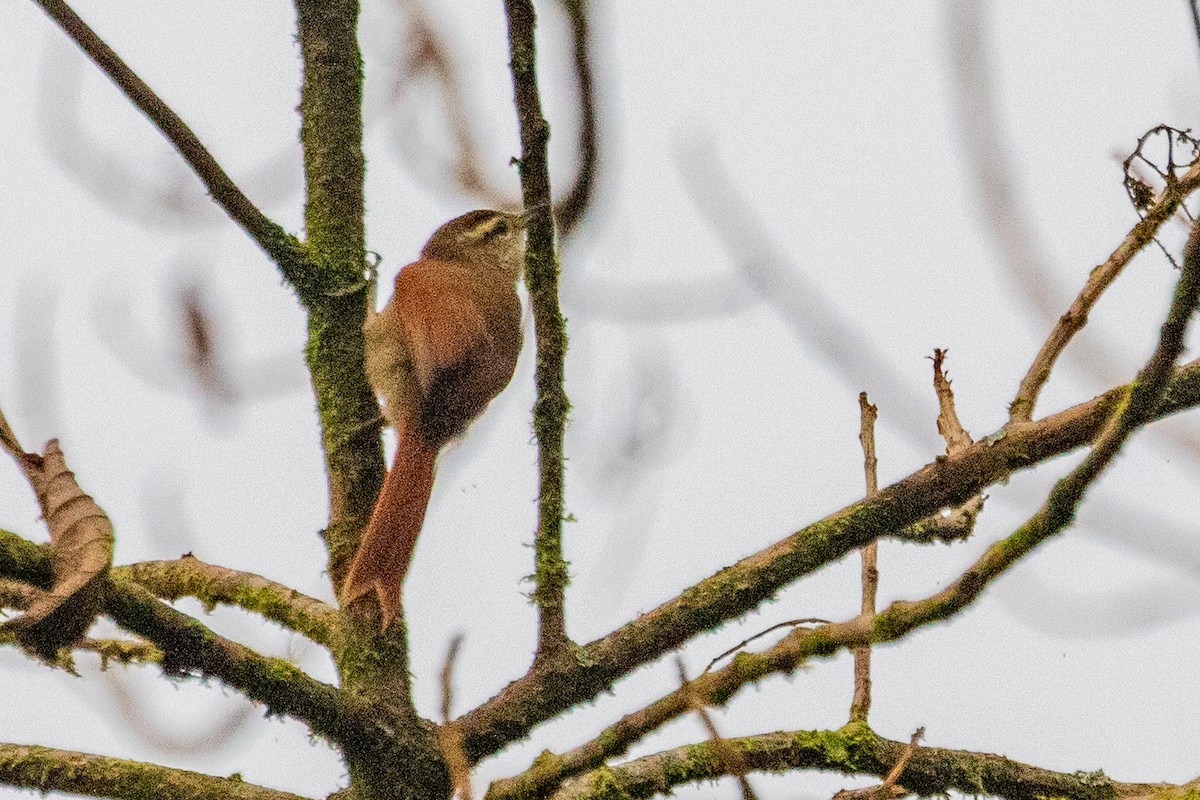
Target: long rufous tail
(387, 544)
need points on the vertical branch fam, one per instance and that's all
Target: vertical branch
(541, 276)
(1195, 18)
(450, 737)
(956, 437)
(570, 210)
(331, 133)
(861, 705)
(373, 666)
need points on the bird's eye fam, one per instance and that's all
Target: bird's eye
(498, 228)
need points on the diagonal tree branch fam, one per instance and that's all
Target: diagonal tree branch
(1100, 278)
(214, 585)
(853, 750)
(949, 481)
(19, 595)
(366, 729)
(189, 647)
(283, 248)
(1136, 405)
(47, 769)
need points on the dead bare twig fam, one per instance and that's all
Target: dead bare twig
(860, 706)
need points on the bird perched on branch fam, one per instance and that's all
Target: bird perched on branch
(442, 348)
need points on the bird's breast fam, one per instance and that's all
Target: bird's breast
(388, 363)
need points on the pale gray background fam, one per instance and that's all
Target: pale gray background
(694, 441)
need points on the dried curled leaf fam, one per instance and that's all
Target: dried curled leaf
(81, 547)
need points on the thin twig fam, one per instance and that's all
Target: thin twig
(1100, 278)
(860, 706)
(957, 438)
(898, 770)
(731, 761)
(279, 245)
(1014, 234)
(450, 737)
(866, 435)
(961, 521)
(791, 623)
(541, 275)
(571, 208)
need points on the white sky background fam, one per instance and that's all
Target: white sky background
(839, 127)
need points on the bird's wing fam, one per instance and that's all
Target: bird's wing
(442, 322)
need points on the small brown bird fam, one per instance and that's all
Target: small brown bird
(444, 346)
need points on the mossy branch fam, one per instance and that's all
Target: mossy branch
(19, 595)
(1136, 406)
(47, 769)
(374, 732)
(331, 135)
(213, 585)
(189, 647)
(947, 482)
(541, 276)
(854, 750)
